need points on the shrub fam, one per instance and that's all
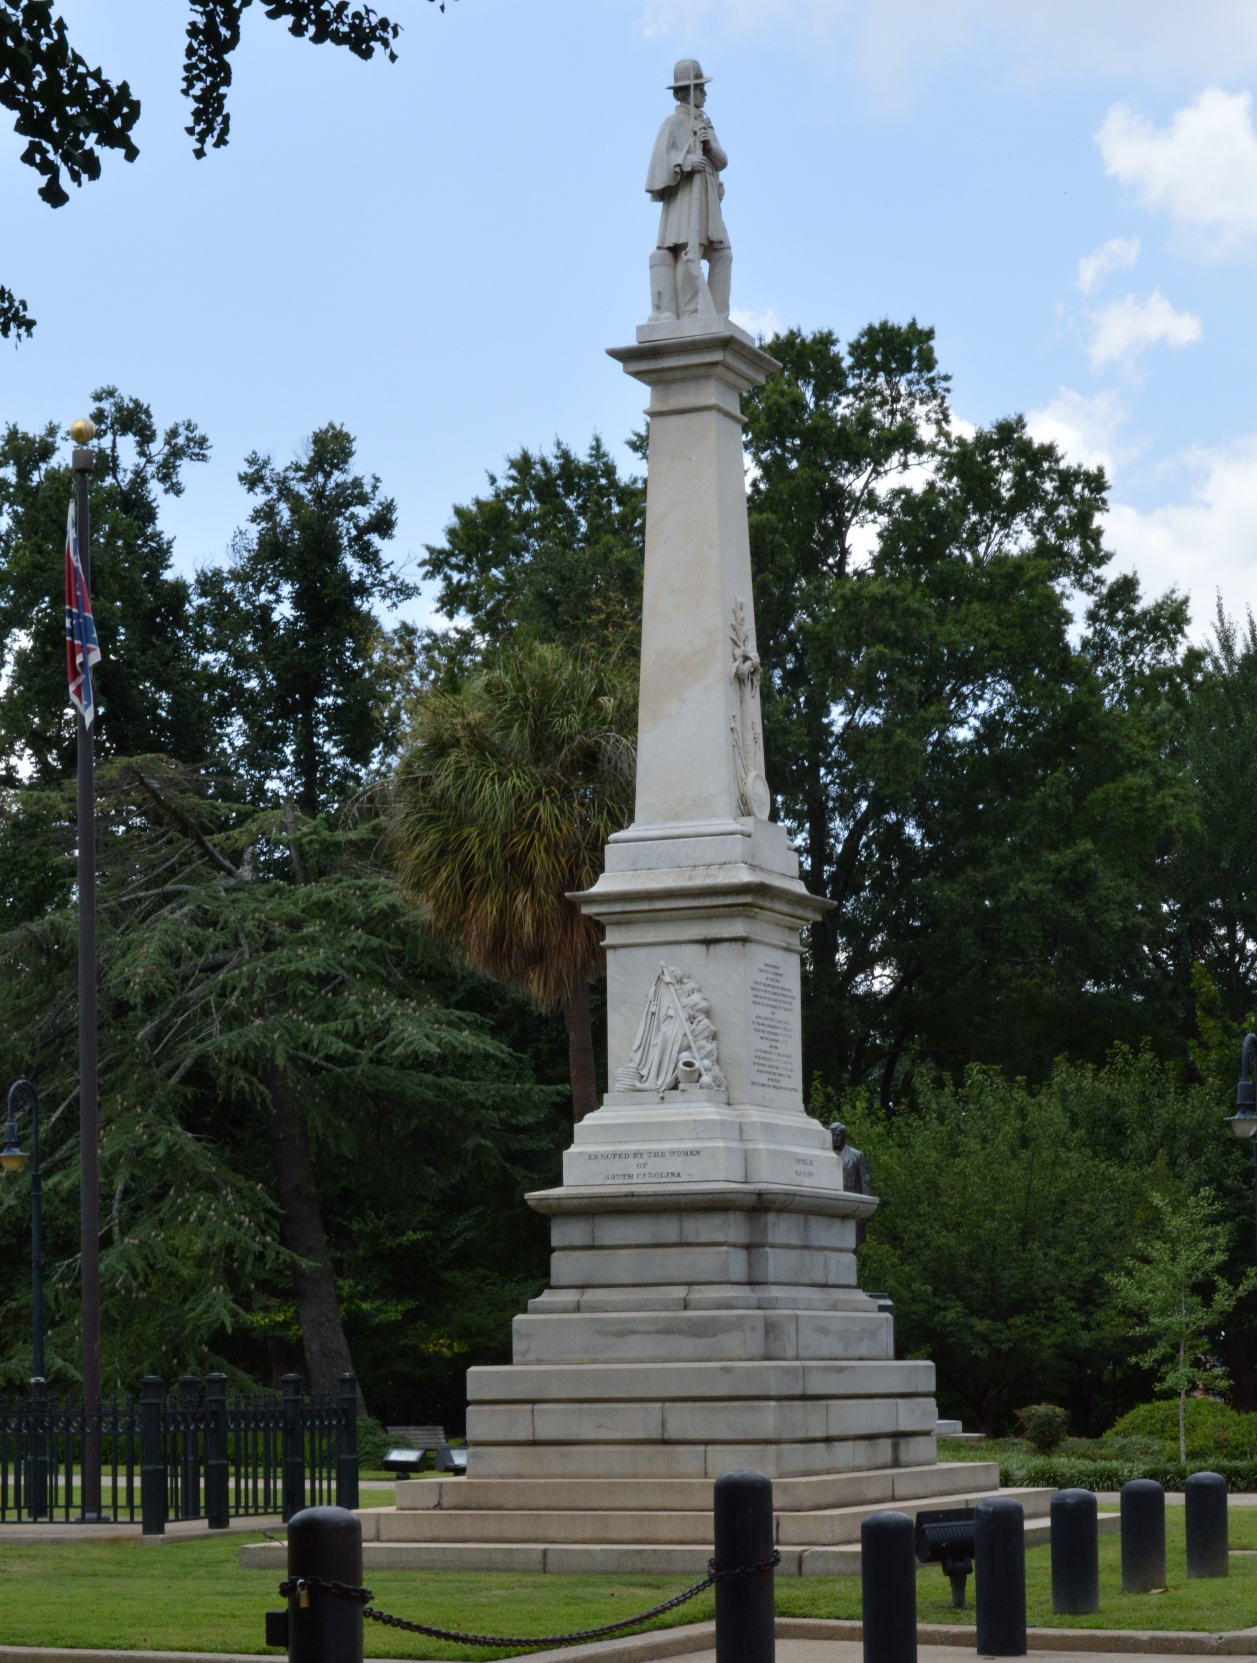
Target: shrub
(1044, 1427)
(373, 1442)
(1215, 1432)
(1065, 1472)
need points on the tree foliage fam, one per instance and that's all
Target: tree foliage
(150, 685)
(304, 671)
(1174, 1292)
(987, 800)
(226, 983)
(503, 804)
(69, 112)
(553, 552)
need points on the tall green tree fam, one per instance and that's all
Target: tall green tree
(263, 998)
(997, 1225)
(150, 693)
(503, 803)
(1215, 867)
(1179, 1300)
(552, 552)
(989, 802)
(306, 676)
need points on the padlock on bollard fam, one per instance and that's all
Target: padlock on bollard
(1208, 1539)
(1075, 1553)
(888, 1579)
(999, 1568)
(745, 1608)
(320, 1626)
(1143, 1536)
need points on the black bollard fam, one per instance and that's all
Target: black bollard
(745, 1609)
(999, 1568)
(1208, 1545)
(888, 1577)
(1143, 1536)
(324, 1542)
(1075, 1553)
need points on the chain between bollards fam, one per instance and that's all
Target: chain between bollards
(301, 1585)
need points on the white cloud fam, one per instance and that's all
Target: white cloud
(1111, 256)
(1127, 327)
(1084, 429)
(1201, 546)
(756, 323)
(1201, 170)
(1150, 38)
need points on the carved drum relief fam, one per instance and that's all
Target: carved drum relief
(675, 1045)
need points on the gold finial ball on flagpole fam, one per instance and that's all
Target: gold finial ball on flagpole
(83, 430)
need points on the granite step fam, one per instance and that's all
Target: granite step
(818, 1528)
(823, 1490)
(607, 1559)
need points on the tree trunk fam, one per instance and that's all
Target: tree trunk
(580, 1051)
(313, 1284)
(1182, 1409)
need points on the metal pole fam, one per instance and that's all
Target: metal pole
(888, 1573)
(321, 1627)
(37, 1246)
(743, 1531)
(89, 1179)
(1143, 1536)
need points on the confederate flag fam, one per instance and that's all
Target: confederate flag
(81, 650)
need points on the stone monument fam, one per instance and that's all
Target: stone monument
(702, 1232)
(703, 1312)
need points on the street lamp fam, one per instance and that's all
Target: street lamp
(12, 1159)
(1244, 1121)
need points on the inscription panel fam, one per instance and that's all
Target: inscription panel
(637, 1166)
(776, 1061)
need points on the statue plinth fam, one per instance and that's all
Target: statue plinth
(702, 1217)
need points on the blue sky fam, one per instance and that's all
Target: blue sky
(437, 252)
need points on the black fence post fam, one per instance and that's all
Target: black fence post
(37, 1496)
(745, 1609)
(190, 1451)
(323, 1542)
(999, 1567)
(152, 1466)
(1208, 1539)
(293, 1449)
(1075, 1553)
(217, 1487)
(347, 1444)
(1143, 1536)
(888, 1580)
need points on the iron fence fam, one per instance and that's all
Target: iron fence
(197, 1453)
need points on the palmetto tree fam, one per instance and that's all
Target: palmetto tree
(503, 801)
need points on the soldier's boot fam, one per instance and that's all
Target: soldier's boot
(663, 286)
(719, 270)
(692, 290)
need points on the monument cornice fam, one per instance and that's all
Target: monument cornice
(711, 1196)
(677, 890)
(675, 353)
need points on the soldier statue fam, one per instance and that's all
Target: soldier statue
(684, 178)
(855, 1170)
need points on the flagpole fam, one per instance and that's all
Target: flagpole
(89, 1177)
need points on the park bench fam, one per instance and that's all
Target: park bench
(411, 1451)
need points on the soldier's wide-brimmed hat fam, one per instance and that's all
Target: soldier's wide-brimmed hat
(688, 73)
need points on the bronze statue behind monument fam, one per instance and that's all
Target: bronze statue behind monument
(855, 1171)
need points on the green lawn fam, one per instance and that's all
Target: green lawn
(190, 1595)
